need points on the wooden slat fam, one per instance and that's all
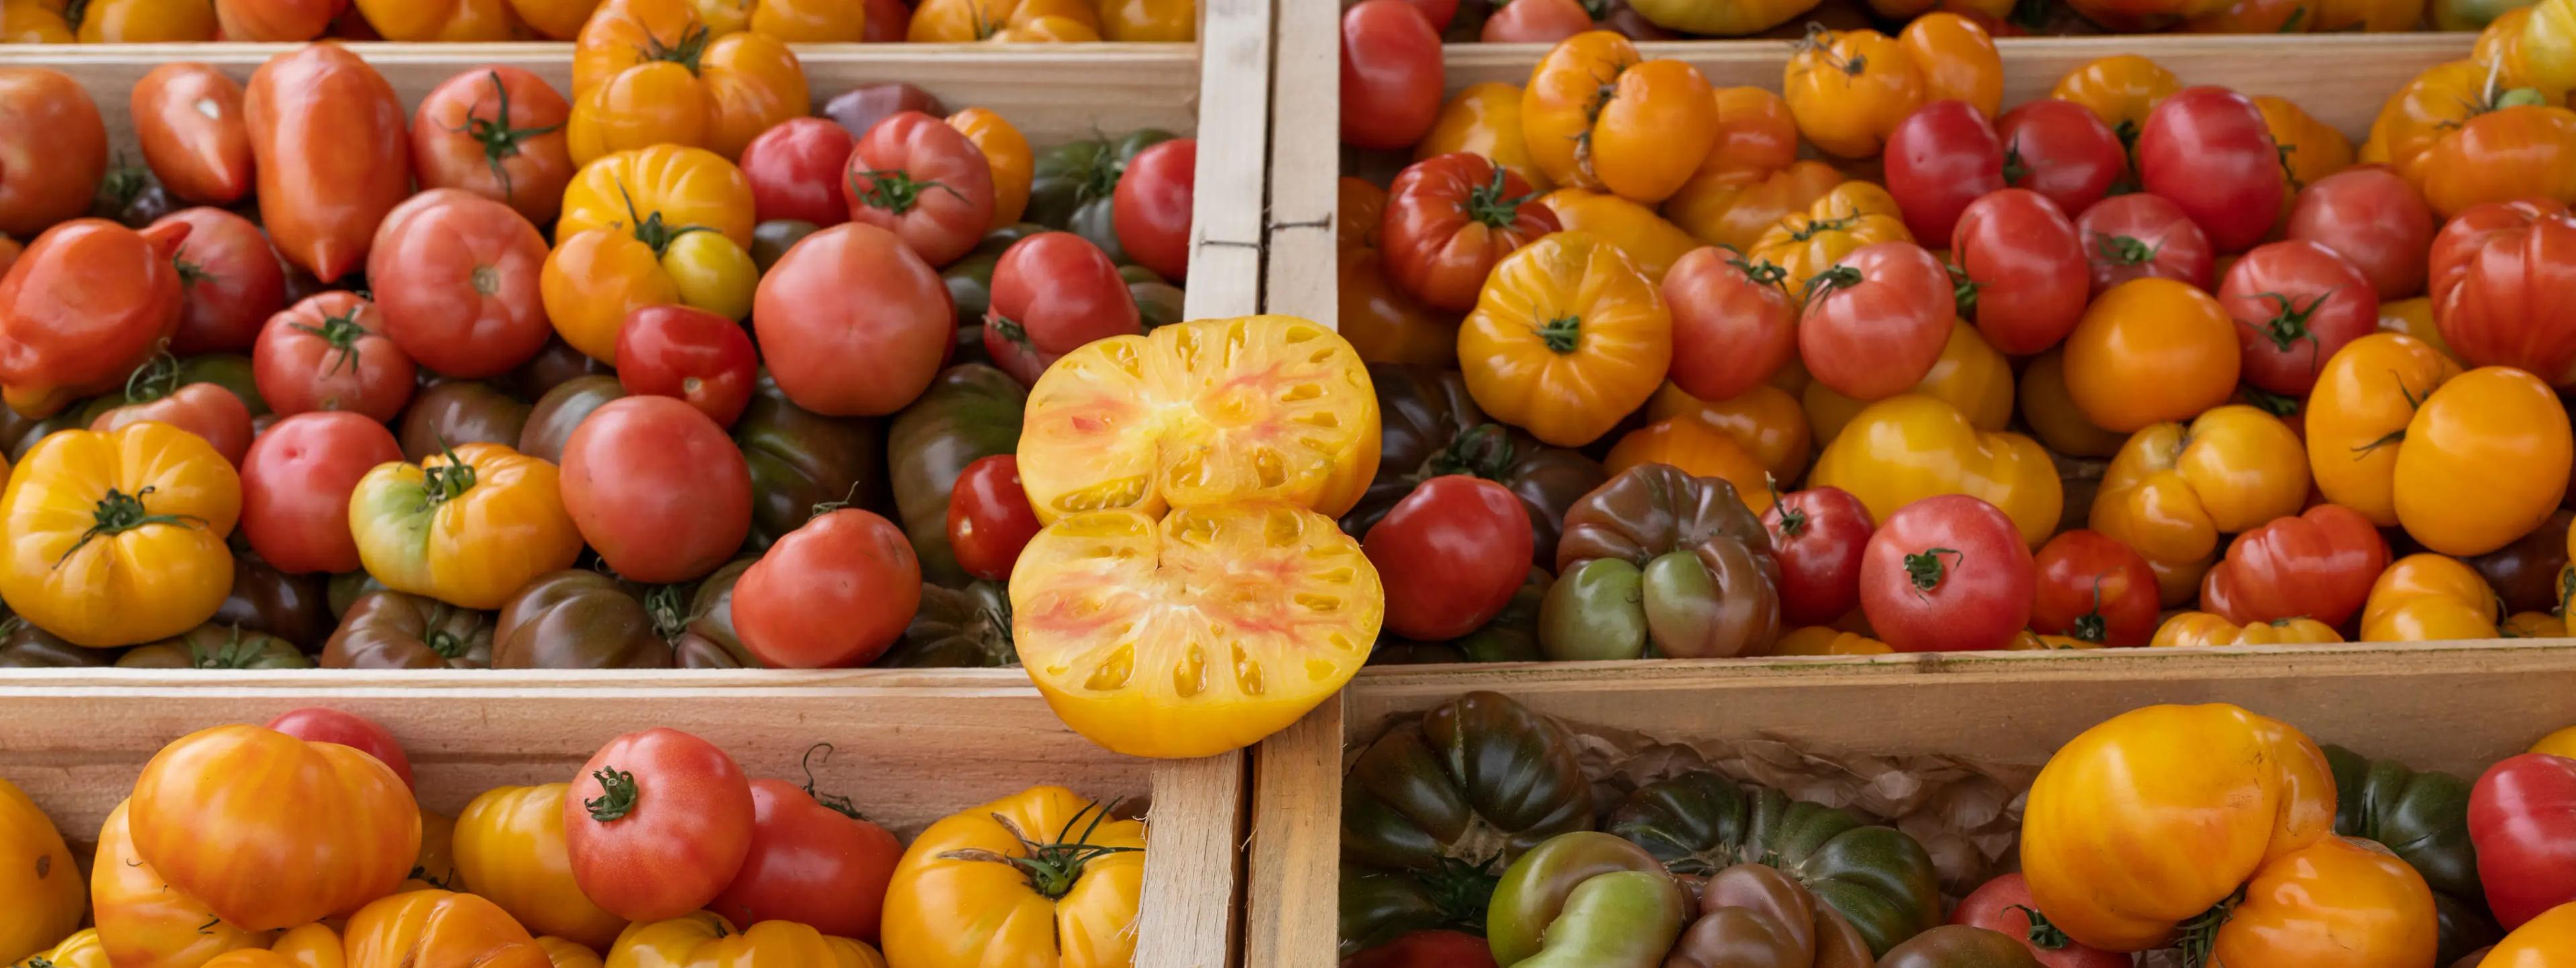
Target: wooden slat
(1193, 873)
(1234, 92)
(1296, 844)
(1305, 160)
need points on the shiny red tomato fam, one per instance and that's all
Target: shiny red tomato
(296, 481)
(233, 281)
(2522, 818)
(2140, 236)
(656, 824)
(497, 132)
(1535, 22)
(2025, 268)
(454, 276)
(2061, 150)
(2500, 278)
(2208, 151)
(1151, 208)
(2375, 220)
(1876, 321)
(853, 323)
(1391, 74)
(834, 593)
(2004, 905)
(1939, 159)
(1817, 536)
(314, 724)
(688, 353)
(813, 861)
(1429, 949)
(1440, 12)
(1448, 219)
(1052, 293)
(2295, 304)
(1453, 552)
(84, 305)
(917, 177)
(204, 409)
(1733, 324)
(795, 171)
(657, 488)
(1947, 573)
(2094, 588)
(2319, 564)
(989, 518)
(330, 352)
(333, 152)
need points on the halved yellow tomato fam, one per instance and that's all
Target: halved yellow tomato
(1197, 634)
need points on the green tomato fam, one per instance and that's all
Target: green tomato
(1594, 612)
(1585, 900)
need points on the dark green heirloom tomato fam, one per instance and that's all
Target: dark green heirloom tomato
(1960, 946)
(1512, 635)
(24, 646)
(1431, 427)
(970, 412)
(576, 619)
(2424, 819)
(1585, 900)
(1751, 916)
(1158, 303)
(1700, 823)
(346, 588)
(553, 365)
(453, 413)
(19, 433)
(1377, 907)
(1070, 187)
(385, 629)
(957, 628)
(264, 599)
(1660, 563)
(799, 459)
(212, 646)
(551, 421)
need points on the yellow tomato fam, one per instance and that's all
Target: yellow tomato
(1205, 412)
(2337, 901)
(470, 527)
(565, 954)
(2532, 625)
(118, 538)
(2485, 461)
(106, 21)
(2052, 414)
(2151, 350)
(1485, 119)
(2201, 628)
(510, 849)
(2429, 598)
(436, 864)
(1149, 21)
(1849, 89)
(1851, 215)
(2544, 47)
(2560, 743)
(439, 929)
(733, 86)
(1733, 207)
(1765, 421)
(671, 187)
(593, 280)
(2170, 494)
(2547, 941)
(81, 950)
(1970, 375)
(1006, 153)
(1819, 640)
(969, 21)
(1651, 243)
(2358, 413)
(1910, 446)
(40, 886)
(1566, 338)
(2414, 317)
(2120, 89)
(1755, 133)
(1597, 116)
(960, 898)
(1958, 61)
(706, 939)
(1700, 449)
(441, 21)
(314, 945)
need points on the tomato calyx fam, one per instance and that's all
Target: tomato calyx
(1793, 519)
(650, 229)
(2198, 937)
(1925, 570)
(234, 653)
(1821, 40)
(2289, 322)
(1818, 226)
(2094, 628)
(617, 795)
(2398, 435)
(1010, 329)
(1561, 334)
(2276, 404)
(158, 377)
(1839, 277)
(1484, 451)
(894, 190)
(2125, 250)
(1052, 867)
(830, 801)
(2015, 169)
(500, 140)
(120, 512)
(343, 333)
(1487, 205)
(447, 481)
(670, 615)
(1963, 291)
(691, 48)
(1761, 271)
(2043, 935)
(123, 182)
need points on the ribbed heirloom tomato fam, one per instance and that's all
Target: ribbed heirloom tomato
(647, 72)
(141, 918)
(1567, 338)
(203, 817)
(2187, 629)
(1041, 877)
(439, 929)
(1449, 219)
(2497, 274)
(118, 538)
(1910, 446)
(917, 177)
(2318, 565)
(708, 938)
(469, 526)
(2171, 492)
(2429, 597)
(1844, 218)
(657, 823)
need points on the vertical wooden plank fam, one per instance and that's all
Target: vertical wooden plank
(1302, 269)
(1193, 864)
(1234, 105)
(1290, 906)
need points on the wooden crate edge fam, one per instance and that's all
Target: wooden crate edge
(1233, 172)
(1301, 272)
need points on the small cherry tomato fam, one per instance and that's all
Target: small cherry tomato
(2026, 275)
(2295, 304)
(1453, 551)
(2375, 220)
(795, 171)
(2095, 589)
(2061, 150)
(314, 724)
(1939, 159)
(2209, 152)
(1818, 536)
(989, 518)
(1947, 573)
(2137, 236)
(689, 353)
(1876, 321)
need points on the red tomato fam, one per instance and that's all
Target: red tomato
(188, 120)
(2375, 220)
(852, 322)
(2004, 905)
(1948, 573)
(2319, 564)
(1391, 74)
(813, 861)
(2094, 588)
(204, 409)
(296, 481)
(330, 352)
(921, 179)
(989, 518)
(1440, 12)
(275, 21)
(1535, 22)
(1429, 949)
(1733, 326)
(1052, 293)
(689, 353)
(656, 824)
(887, 21)
(82, 307)
(1454, 550)
(2295, 304)
(53, 145)
(1449, 219)
(455, 280)
(1817, 536)
(834, 593)
(2522, 818)
(2208, 151)
(1875, 323)
(2026, 268)
(232, 278)
(314, 724)
(2140, 236)
(497, 132)
(2061, 150)
(657, 488)
(1151, 209)
(333, 154)
(2501, 277)
(1939, 159)
(795, 171)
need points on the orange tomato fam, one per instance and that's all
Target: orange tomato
(142, 920)
(2151, 350)
(204, 817)
(440, 929)
(801, 21)
(1567, 337)
(106, 21)
(510, 849)
(1851, 215)
(2414, 318)
(1755, 133)
(648, 72)
(2051, 412)
(2170, 494)
(1699, 449)
(1970, 375)
(554, 19)
(1766, 421)
(2485, 461)
(1595, 115)
(1485, 119)
(1958, 61)
(1819, 640)
(970, 21)
(2532, 625)
(2358, 413)
(2547, 941)
(441, 21)
(2201, 628)
(2462, 137)
(1733, 207)
(2310, 149)
(1849, 89)
(1385, 323)
(1649, 241)
(1006, 152)
(2344, 902)
(1359, 208)
(2429, 597)
(2119, 89)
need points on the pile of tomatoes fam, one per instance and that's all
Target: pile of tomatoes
(1550, 21)
(657, 851)
(483, 21)
(2224, 834)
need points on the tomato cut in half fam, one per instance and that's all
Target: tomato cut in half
(1201, 413)
(1197, 634)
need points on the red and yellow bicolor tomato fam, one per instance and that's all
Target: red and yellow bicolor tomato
(105, 21)
(1596, 115)
(1846, 217)
(1567, 337)
(2358, 413)
(706, 938)
(440, 929)
(143, 920)
(510, 848)
(1970, 375)
(680, 186)
(1733, 207)
(1041, 877)
(1821, 640)
(1485, 119)
(1765, 420)
(1909, 447)
(40, 886)
(2427, 598)
(653, 72)
(2462, 136)
(118, 537)
(2171, 492)
(2485, 460)
(2120, 89)
(2151, 350)
(2202, 628)
(469, 527)
(1849, 89)
(653, 227)
(204, 815)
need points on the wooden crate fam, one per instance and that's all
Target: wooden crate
(2452, 707)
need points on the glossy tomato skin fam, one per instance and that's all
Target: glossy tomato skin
(2522, 813)
(203, 816)
(2061, 150)
(1391, 74)
(2093, 588)
(188, 119)
(329, 352)
(2026, 262)
(1053, 292)
(497, 132)
(852, 299)
(1817, 536)
(1448, 219)
(1733, 324)
(2318, 565)
(1537, 22)
(232, 280)
(1939, 159)
(2498, 273)
(333, 152)
(795, 171)
(1455, 548)
(314, 724)
(656, 824)
(657, 488)
(2208, 150)
(834, 593)
(697, 356)
(921, 179)
(2004, 905)
(2375, 220)
(203, 409)
(2295, 303)
(83, 306)
(1947, 573)
(2140, 235)
(812, 864)
(989, 518)
(296, 481)
(54, 146)
(455, 279)
(1875, 323)
(1151, 208)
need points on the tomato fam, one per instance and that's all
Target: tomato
(296, 479)
(203, 409)
(1820, 640)
(142, 919)
(1384, 324)
(834, 593)
(2295, 304)
(497, 132)
(1004, 21)
(2060, 150)
(1006, 153)
(2494, 270)
(2375, 220)
(917, 177)
(1875, 322)
(2518, 818)
(510, 847)
(1567, 338)
(1485, 119)
(665, 187)
(1053, 293)
(656, 486)
(648, 72)
(2318, 565)
(2207, 150)
(319, 725)
(1957, 59)
(1538, 22)
(1850, 89)
(469, 527)
(1449, 219)
(2121, 90)
(2143, 236)
(450, 21)
(853, 299)
(1463, 540)
(2429, 597)
(2050, 411)
(2004, 905)
(2171, 492)
(231, 279)
(989, 519)
(1040, 877)
(2495, 432)
(795, 171)
(2358, 416)
(1912, 446)
(439, 929)
(1846, 217)
(333, 154)
(2344, 900)
(1152, 207)
(2025, 268)
(707, 938)
(1391, 74)
(1734, 207)
(43, 884)
(2148, 350)
(656, 824)
(198, 813)
(1818, 536)
(456, 282)
(694, 355)
(1597, 117)
(329, 352)
(1644, 237)
(1946, 573)
(1698, 448)
(1436, 948)
(2525, 573)
(54, 146)
(2514, 152)
(2541, 942)
(1940, 158)
(812, 862)
(2094, 589)
(1733, 326)
(2188, 629)
(82, 307)
(188, 118)
(597, 277)
(118, 538)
